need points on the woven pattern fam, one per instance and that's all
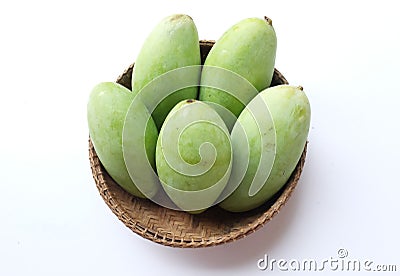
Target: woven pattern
(180, 229)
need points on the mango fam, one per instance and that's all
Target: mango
(106, 110)
(247, 49)
(193, 156)
(172, 44)
(278, 137)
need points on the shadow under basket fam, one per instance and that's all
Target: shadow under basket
(180, 229)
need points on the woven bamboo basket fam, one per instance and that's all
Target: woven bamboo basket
(180, 229)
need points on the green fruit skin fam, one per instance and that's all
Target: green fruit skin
(248, 48)
(172, 44)
(106, 111)
(189, 144)
(291, 114)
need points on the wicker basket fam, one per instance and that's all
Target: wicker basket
(180, 229)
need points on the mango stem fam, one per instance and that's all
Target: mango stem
(269, 20)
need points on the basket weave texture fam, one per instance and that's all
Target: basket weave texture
(181, 229)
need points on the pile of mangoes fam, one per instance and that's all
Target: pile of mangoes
(190, 136)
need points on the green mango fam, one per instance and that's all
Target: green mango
(280, 139)
(172, 44)
(106, 110)
(247, 49)
(193, 156)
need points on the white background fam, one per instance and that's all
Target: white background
(346, 55)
